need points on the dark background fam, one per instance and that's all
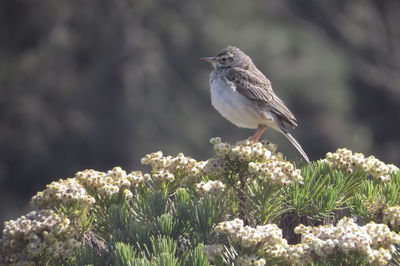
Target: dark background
(96, 84)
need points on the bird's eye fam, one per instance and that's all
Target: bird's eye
(223, 59)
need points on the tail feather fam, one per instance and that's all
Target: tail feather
(297, 145)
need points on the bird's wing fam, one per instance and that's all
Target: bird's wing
(254, 85)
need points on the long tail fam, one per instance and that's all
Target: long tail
(296, 144)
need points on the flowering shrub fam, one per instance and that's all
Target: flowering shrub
(67, 192)
(375, 241)
(102, 184)
(246, 205)
(210, 187)
(391, 216)
(36, 234)
(345, 160)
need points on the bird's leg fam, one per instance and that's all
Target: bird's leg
(259, 132)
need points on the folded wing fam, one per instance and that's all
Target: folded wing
(254, 85)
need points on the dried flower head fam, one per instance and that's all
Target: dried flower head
(259, 159)
(210, 187)
(249, 260)
(278, 172)
(68, 191)
(110, 183)
(213, 251)
(269, 235)
(37, 233)
(375, 241)
(391, 216)
(345, 160)
(168, 168)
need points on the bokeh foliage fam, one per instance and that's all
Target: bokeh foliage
(95, 84)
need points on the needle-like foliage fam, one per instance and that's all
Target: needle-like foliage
(246, 205)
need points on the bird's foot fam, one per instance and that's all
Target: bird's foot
(258, 133)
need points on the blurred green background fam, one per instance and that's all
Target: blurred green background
(96, 84)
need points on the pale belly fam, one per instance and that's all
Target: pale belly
(237, 108)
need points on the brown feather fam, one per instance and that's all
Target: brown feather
(254, 85)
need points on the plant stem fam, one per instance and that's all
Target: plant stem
(242, 198)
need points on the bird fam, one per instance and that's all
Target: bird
(242, 94)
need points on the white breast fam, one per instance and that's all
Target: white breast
(235, 107)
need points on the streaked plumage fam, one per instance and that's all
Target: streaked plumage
(244, 96)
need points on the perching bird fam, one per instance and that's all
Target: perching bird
(244, 96)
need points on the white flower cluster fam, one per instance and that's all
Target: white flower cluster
(249, 260)
(162, 175)
(391, 216)
(110, 183)
(245, 150)
(345, 160)
(78, 189)
(251, 238)
(213, 251)
(167, 168)
(279, 172)
(375, 241)
(261, 161)
(210, 187)
(37, 233)
(68, 191)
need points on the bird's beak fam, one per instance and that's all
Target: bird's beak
(209, 59)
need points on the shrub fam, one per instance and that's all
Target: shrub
(247, 205)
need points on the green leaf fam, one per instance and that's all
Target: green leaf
(324, 191)
(123, 254)
(164, 225)
(85, 255)
(195, 257)
(163, 245)
(147, 206)
(265, 202)
(204, 214)
(166, 259)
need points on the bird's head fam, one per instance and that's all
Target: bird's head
(228, 57)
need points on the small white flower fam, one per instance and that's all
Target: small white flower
(345, 160)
